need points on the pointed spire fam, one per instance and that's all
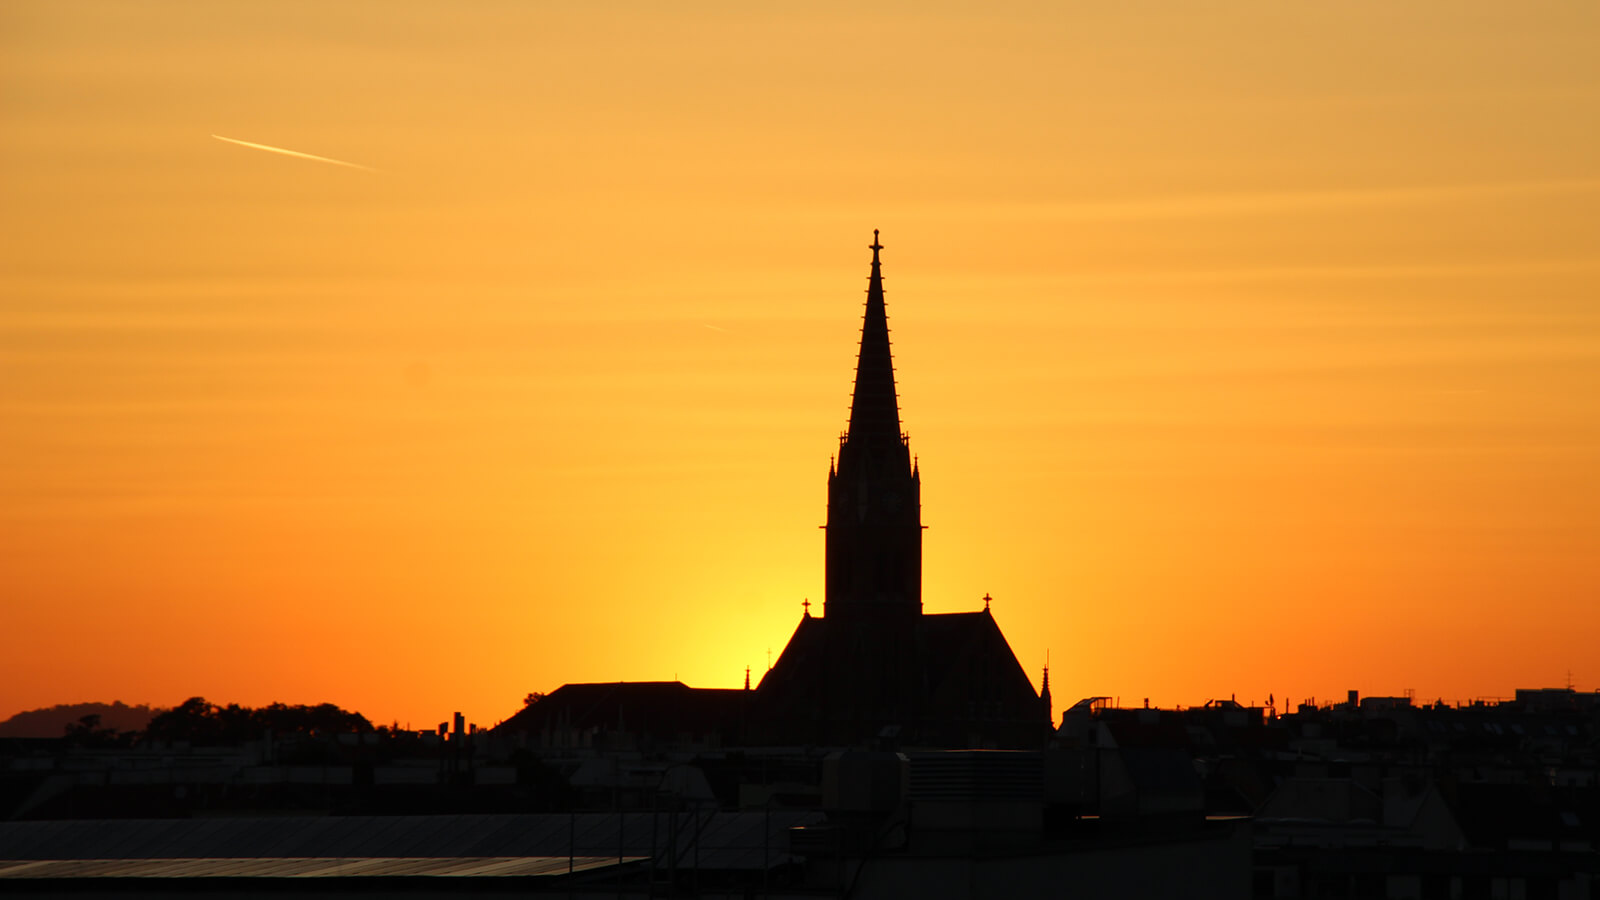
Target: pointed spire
(874, 409)
(1044, 693)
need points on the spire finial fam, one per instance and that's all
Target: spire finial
(986, 599)
(875, 245)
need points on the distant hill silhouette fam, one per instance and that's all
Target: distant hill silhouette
(52, 722)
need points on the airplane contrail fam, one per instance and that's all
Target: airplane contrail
(297, 153)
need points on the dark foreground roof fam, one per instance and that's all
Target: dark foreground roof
(387, 846)
(668, 710)
(307, 867)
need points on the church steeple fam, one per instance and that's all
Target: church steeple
(1044, 693)
(875, 408)
(874, 546)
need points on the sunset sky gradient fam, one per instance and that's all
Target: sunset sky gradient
(1247, 347)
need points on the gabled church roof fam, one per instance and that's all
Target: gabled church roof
(947, 680)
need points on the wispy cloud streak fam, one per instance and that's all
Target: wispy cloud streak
(294, 153)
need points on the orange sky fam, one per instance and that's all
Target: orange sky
(1248, 348)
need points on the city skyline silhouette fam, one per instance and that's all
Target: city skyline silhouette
(1245, 369)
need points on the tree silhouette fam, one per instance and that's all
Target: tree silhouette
(205, 724)
(86, 732)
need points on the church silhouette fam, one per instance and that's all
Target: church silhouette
(873, 669)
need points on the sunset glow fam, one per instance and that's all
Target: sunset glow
(1246, 349)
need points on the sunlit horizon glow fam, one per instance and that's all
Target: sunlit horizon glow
(1249, 349)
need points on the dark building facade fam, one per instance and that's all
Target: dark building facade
(874, 667)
